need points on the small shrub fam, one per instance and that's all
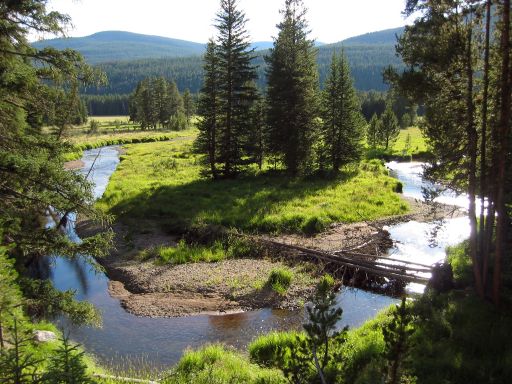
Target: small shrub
(398, 187)
(280, 280)
(458, 257)
(273, 349)
(314, 225)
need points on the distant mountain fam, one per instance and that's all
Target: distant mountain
(385, 37)
(110, 46)
(114, 46)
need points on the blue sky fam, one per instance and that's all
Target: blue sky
(330, 20)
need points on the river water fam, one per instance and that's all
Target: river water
(161, 341)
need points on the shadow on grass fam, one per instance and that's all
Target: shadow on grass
(257, 203)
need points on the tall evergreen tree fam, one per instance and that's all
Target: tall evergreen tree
(292, 90)
(66, 365)
(31, 163)
(209, 109)
(236, 86)
(188, 105)
(372, 133)
(389, 128)
(342, 120)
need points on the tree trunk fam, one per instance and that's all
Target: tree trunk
(473, 153)
(503, 133)
(484, 190)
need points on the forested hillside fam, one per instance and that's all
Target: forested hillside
(127, 58)
(366, 64)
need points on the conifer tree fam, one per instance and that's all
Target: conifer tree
(17, 364)
(389, 128)
(342, 119)
(67, 366)
(236, 86)
(292, 90)
(209, 109)
(397, 334)
(188, 105)
(444, 53)
(372, 133)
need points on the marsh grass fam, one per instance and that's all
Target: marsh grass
(184, 253)
(178, 198)
(218, 364)
(280, 280)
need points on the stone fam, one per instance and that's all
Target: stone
(44, 336)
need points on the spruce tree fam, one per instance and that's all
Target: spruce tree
(292, 90)
(31, 162)
(372, 133)
(342, 120)
(17, 364)
(209, 110)
(389, 128)
(236, 86)
(66, 366)
(188, 105)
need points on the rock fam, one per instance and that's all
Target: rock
(44, 336)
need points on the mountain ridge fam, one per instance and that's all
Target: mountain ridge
(112, 46)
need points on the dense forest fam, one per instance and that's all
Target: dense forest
(366, 64)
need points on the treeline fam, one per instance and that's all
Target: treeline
(294, 124)
(107, 105)
(372, 103)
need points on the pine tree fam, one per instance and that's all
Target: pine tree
(236, 87)
(31, 162)
(17, 364)
(342, 119)
(188, 105)
(10, 296)
(292, 90)
(389, 128)
(66, 366)
(397, 335)
(311, 355)
(372, 134)
(209, 109)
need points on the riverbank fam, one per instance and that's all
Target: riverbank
(146, 287)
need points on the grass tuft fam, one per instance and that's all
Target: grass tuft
(280, 280)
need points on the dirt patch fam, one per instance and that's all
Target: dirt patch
(215, 288)
(75, 164)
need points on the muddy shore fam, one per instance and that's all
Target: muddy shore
(146, 288)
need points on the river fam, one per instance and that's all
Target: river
(161, 341)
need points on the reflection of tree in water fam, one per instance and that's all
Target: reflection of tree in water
(80, 267)
(41, 268)
(229, 322)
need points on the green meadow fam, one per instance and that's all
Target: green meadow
(162, 182)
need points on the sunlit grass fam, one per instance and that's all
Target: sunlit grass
(161, 182)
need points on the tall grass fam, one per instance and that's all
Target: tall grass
(280, 280)
(215, 364)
